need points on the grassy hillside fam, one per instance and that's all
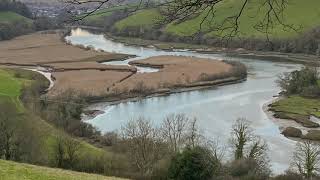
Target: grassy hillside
(11, 83)
(298, 13)
(99, 15)
(18, 171)
(144, 18)
(298, 105)
(304, 15)
(10, 17)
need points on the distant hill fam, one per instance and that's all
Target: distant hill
(11, 17)
(19, 171)
(13, 24)
(304, 15)
(41, 1)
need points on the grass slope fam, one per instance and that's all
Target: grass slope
(10, 90)
(147, 19)
(297, 13)
(18, 171)
(298, 105)
(103, 13)
(9, 85)
(297, 108)
(11, 17)
(303, 15)
(98, 18)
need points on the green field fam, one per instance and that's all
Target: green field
(298, 105)
(18, 171)
(303, 15)
(297, 108)
(100, 15)
(144, 18)
(9, 85)
(298, 13)
(10, 17)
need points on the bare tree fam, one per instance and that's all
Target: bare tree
(66, 151)
(246, 144)
(174, 131)
(8, 141)
(144, 144)
(250, 152)
(6, 137)
(216, 149)
(194, 136)
(59, 151)
(241, 136)
(307, 159)
(72, 147)
(179, 131)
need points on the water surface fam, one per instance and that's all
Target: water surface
(216, 109)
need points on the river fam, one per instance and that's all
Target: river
(216, 109)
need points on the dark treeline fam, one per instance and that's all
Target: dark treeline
(20, 27)
(11, 30)
(307, 42)
(15, 6)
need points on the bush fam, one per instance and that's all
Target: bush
(304, 81)
(289, 176)
(15, 6)
(192, 164)
(248, 169)
(311, 91)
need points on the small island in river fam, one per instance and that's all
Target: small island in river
(297, 111)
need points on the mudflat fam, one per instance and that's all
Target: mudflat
(89, 82)
(49, 49)
(71, 67)
(175, 71)
(79, 69)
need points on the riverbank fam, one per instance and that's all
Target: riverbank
(238, 52)
(297, 117)
(300, 58)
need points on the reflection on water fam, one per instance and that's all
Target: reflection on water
(216, 109)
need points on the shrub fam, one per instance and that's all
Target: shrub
(192, 164)
(289, 176)
(248, 169)
(300, 81)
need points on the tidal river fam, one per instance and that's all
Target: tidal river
(216, 109)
